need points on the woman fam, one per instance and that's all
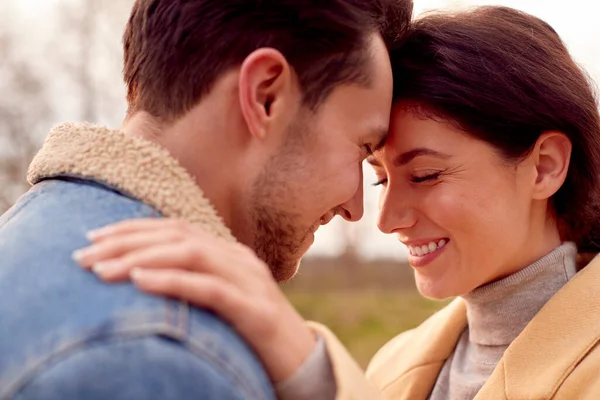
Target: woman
(490, 176)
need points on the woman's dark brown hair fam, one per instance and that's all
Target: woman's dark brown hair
(505, 77)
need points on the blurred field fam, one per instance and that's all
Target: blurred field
(365, 304)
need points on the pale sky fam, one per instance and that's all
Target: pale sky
(574, 20)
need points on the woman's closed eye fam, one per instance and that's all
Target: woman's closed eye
(423, 177)
(426, 178)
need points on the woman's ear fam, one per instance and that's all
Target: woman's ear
(552, 156)
(265, 82)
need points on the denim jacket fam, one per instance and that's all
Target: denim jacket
(66, 335)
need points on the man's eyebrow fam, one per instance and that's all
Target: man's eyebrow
(407, 157)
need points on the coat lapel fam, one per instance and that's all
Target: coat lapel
(551, 346)
(410, 366)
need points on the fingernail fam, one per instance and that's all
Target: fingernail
(136, 274)
(77, 255)
(104, 267)
(98, 268)
(95, 234)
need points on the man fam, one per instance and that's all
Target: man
(247, 118)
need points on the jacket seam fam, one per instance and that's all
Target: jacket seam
(574, 364)
(151, 329)
(80, 344)
(198, 347)
(407, 372)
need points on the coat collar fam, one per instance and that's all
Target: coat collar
(131, 164)
(564, 331)
(533, 367)
(408, 367)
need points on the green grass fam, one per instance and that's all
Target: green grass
(364, 320)
(364, 303)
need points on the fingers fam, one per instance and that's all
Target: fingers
(168, 244)
(189, 255)
(201, 290)
(135, 225)
(120, 244)
(165, 256)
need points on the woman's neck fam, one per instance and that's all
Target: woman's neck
(542, 239)
(498, 312)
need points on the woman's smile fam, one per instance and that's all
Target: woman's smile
(423, 252)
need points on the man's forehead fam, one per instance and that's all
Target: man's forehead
(381, 134)
(379, 151)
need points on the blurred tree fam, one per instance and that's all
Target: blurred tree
(23, 107)
(83, 73)
(92, 58)
(352, 236)
(80, 65)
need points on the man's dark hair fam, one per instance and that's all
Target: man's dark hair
(175, 50)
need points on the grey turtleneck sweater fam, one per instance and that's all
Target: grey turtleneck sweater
(496, 315)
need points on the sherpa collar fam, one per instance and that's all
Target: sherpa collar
(131, 164)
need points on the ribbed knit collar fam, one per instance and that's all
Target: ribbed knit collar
(497, 313)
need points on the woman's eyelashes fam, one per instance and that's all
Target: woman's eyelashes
(431, 177)
(421, 178)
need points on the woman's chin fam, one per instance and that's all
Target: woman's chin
(435, 289)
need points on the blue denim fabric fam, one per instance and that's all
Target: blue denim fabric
(66, 335)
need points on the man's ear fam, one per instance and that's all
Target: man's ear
(266, 82)
(552, 156)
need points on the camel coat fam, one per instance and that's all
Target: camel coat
(555, 357)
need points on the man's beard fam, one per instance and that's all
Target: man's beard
(277, 242)
(279, 234)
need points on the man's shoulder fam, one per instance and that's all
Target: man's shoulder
(51, 308)
(71, 204)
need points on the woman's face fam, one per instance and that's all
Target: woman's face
(466, 215)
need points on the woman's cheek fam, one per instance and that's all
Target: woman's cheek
(446, 208)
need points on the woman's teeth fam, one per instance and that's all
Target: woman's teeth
(420, 251)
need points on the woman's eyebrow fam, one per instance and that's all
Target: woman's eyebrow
(405, 158)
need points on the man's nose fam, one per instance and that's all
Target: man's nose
(353, 210)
